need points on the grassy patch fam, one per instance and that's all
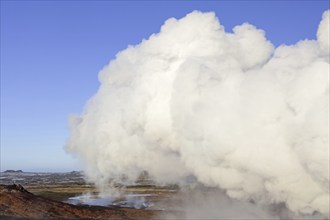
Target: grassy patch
(59, 196)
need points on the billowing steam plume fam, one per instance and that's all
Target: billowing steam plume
(225, 108)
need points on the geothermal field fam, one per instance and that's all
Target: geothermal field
(196, 122)
(49, 195)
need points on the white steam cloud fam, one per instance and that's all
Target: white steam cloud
(226, 108)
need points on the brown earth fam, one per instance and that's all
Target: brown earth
(16, 203)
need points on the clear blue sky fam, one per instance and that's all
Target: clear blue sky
(52, 51)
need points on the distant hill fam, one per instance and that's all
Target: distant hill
(13, 171)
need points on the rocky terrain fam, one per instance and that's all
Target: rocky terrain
(69, 196)
(15, 201)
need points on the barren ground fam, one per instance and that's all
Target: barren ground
(48, 195)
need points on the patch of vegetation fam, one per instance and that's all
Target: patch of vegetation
(58, 196)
